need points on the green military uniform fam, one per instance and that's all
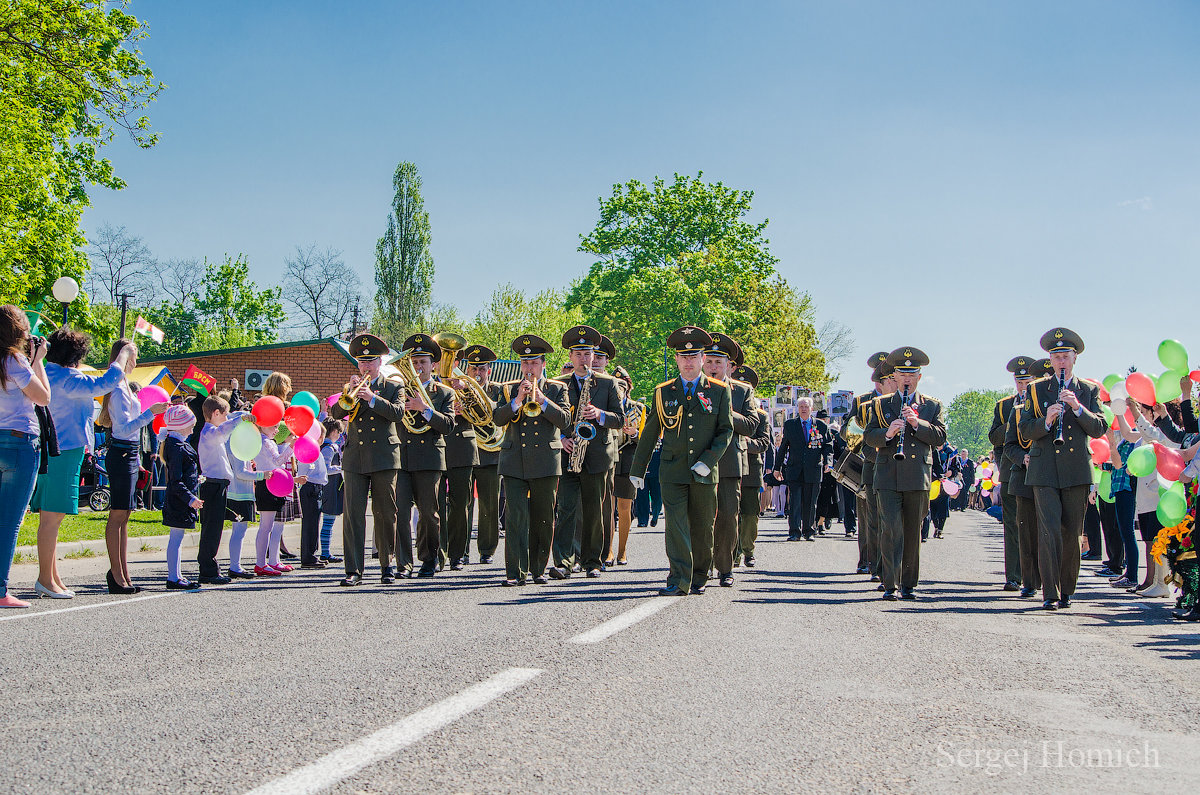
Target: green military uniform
(462, 456)
(868, 519)
(1015, 451)
(696, 427)
(530, 464)
(1060, 474)
(608, 351)
(752, 481)
(733, 464)
(485, 480)
(902, 485)
(1020, 367)
(370, 460)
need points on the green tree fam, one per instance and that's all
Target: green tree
(510, 312)
(70, 76)
(403, 264)
(969, 418)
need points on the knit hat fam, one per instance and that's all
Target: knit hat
(178, 418)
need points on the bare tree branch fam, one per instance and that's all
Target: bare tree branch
(121, 264)
(182, 280)
(323, 289)
(836, 342)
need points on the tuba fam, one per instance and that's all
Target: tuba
(473, 401)
(635, 415)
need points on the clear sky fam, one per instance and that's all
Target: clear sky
(958, 176)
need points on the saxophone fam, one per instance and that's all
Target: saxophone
(582, 437)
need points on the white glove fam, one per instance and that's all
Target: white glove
(702, 469)
(638, 483)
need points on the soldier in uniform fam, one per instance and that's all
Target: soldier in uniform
(422, 461)
(485, 480)
(605, 352)
(1016, 455)
(533, 411)
(1021, 368)
(868, 520)
(905, 427)
(718, 365)
(1060, 473)
(623, 489)
(581, 494)
(752, 481)
(693, 416)
(372, 455)
(454, 496)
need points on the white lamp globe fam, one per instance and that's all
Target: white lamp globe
(65, 289)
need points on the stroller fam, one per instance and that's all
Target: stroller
(93, 484)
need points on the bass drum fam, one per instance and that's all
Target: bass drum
(848, 471)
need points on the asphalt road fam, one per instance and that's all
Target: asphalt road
(798, 679)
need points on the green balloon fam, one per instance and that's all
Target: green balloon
(1173, 355)
(1142, 461)
(1166, 387)
(281, 433)
(1172, 508)
(1108, 414)
(245, 441)
(1111, 380)
(309, 400)
(1104, 487)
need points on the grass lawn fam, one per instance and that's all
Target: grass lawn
(89, 526)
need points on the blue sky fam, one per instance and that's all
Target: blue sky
(959, 176)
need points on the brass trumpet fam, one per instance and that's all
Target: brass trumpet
(531, 407)
(349, 397)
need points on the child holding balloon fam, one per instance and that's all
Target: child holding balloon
(270, 493)
(313, 475)
(219, 425)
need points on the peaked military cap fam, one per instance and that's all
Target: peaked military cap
(740, 359)
(366, 347)
(746, 373)
(531, 346)
(907, 360)
(479, 354)
(1022, 367)
(606, 347)
(422, 345)
(876, 359)
(882, 371)
(1042, 367)
(1061, 339)
(688, 340)
(722, 345)
(580, 338)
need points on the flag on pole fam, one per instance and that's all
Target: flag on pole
(144, 326)
(198, 380)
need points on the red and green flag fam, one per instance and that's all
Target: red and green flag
(198, 381)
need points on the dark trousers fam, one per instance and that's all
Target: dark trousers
(1027, 536)
(802, 507)
(1091, 529)
(1012, 536)
(580, 503)
(900, 516)
(421, 489)
(454, 499)
(725, 527)
(690, 510)
(849, 509)
(1114, 546)
(382, 488)
(528, 525)
(747, 520)
(868, 530)
(487, 506)
(310, 521)
(212, 525)
(609, 513)
(1126, 504)
(648, 503)
(1060, 523)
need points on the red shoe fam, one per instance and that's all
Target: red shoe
(282, 568)
(266, 571)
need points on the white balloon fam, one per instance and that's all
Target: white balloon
(1118, 392)
(1118, 405)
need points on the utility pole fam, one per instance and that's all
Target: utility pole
(124, 309)
(354, 327)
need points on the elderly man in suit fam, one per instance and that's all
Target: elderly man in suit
(805, 455)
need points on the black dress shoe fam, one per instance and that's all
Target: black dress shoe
(889, 596)
(906, 593)
(486, 559)
(329, 559)
(750, 563)
(654, 522)
(244, 574)
(727, 581)
(1011, 586)
(315, 564)
(288, 555)
(593, 572)
(351, 580)
(874, 578)
(456, 566)
(427, 571)
(699, 589)
(388, 575)
(810, 538)
(1049, 605)
(880, 587)
(218, 580)
(1089, 556)
(541, 579)
(182, 585)
(1027, 592)
(557, 573)
(509, 583)
(121, 589)
(1064, 603)
(671, 590)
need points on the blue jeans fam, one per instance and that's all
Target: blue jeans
(1126, 505)
(18, 474)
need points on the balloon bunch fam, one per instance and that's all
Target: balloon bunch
(299, 420)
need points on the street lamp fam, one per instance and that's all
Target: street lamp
(65, 290)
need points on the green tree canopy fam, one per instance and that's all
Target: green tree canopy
(510, 312)
(969, 418)
(403, 264)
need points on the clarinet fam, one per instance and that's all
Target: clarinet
(1062, 384)
(899, 454)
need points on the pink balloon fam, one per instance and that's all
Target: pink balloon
(950, 487)
(1170, 462)
(329, 401)
(1100, 450)
(149, 395)
(314, 431)
(280, 482)
(306, 450)
(1141, 388)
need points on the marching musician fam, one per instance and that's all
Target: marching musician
(485, 479)
(752, 481)
(596, 410)
(605, 352)
(1016, 455)
(905, 427)
(454, 495)
(692, 415)
(1058, 416)
(422, 462)
(623, 488)
(868, 519)
(1021, 368)
(533, 411)
(371, 459)
(718, 364)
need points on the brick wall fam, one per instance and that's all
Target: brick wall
(318, 367)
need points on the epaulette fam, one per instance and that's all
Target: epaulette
(562, 379)
(717, 381)
(665, 383)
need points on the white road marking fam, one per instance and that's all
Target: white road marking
(345, 762)
(114, 603)
(624, 621)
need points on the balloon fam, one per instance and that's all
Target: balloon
(1172, 507)
(309, 400)
(1111, 380)
(306, 450)
(149, 395)
(935, 489)
(245, 442)
(157, 424)
(1104, 487)
(987, 484)
(281, 433)
(1104, 395)
(1167, 388)
(1195, 376)
(298, 419)
(280, 482)
(1118, 392)
(1173, 355)
(314, 432)
(1170, 462)
(1100, 450)
(1119, 405)
(1109, 417)
(1141, 461)
(329, 401)
(267, 411)
(986, 493)
(951, 488)
(1141, 388)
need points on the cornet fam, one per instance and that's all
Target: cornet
(531, 407)
(350, 393)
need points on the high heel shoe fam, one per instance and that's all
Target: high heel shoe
(44, 592)
(113, 587)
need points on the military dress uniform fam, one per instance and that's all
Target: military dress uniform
(752, 482)
(867, 513)
(422, 464)
(1060, 474)
(608, 351)
(1021, 367)
(530, 464)
(485, 480)
(733, 464)
(695, 423)
(902, 486)
(462, 456)
(370, 460)
(581, 494)
(1015, 450)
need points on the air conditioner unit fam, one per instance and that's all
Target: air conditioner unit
(255, 379)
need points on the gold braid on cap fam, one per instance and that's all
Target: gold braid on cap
(669, 422)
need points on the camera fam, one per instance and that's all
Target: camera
(35, 342)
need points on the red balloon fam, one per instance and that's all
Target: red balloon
(157, 425)
(1100, 450)
(298, 419)
(1104, 396)
(267, 411)
(1195, 375)
(1170, 462)
(1128, 418)
(1141, 388)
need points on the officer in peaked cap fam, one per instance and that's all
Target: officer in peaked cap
(1021, 368)
(750, 503)
(868, 520)
(485, 478)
